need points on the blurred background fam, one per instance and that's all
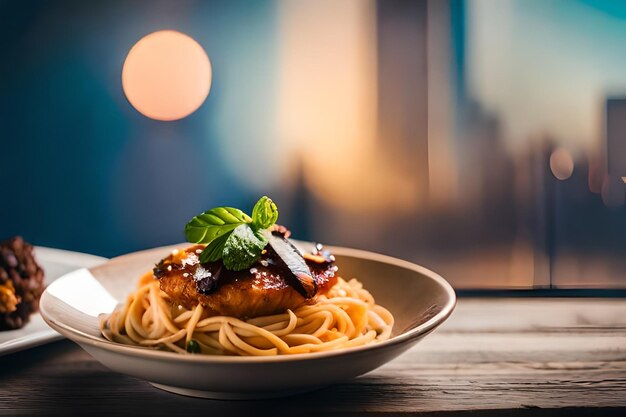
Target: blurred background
(485, 139)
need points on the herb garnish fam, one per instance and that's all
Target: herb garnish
(232, 235)
(193, 347)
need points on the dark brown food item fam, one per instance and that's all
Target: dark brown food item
(266, 288)
(292, 258)
(21, 283)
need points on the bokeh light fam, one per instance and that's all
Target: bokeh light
(561, 163)
(166, 75)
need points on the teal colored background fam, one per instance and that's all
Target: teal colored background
(80, 168)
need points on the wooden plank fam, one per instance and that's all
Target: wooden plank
(476, 362)
(525, 314)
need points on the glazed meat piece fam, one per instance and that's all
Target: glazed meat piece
(268, 287)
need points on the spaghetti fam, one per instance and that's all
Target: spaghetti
(346, 316)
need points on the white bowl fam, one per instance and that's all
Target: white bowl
(419, 299)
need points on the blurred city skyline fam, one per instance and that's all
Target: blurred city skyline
(481, 138)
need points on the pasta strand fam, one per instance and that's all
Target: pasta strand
(346, 316)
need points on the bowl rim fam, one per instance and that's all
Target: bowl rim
(146, 353)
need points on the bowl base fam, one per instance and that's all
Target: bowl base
(233, 396)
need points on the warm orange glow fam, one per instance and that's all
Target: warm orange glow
(561, 163)
(166, 75)
(328, 101)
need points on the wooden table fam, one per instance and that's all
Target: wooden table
(494, 356)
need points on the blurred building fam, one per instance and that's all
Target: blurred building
(482, 139)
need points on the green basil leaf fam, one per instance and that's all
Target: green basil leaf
(243, 248)
(264, 213)
(213, 251)
(214, 223)
(193, 347)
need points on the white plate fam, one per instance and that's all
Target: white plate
(419, 299)
(55, 263)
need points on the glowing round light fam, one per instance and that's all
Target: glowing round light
(166, 75)
(561, 163)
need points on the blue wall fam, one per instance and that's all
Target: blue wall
(80, 168)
